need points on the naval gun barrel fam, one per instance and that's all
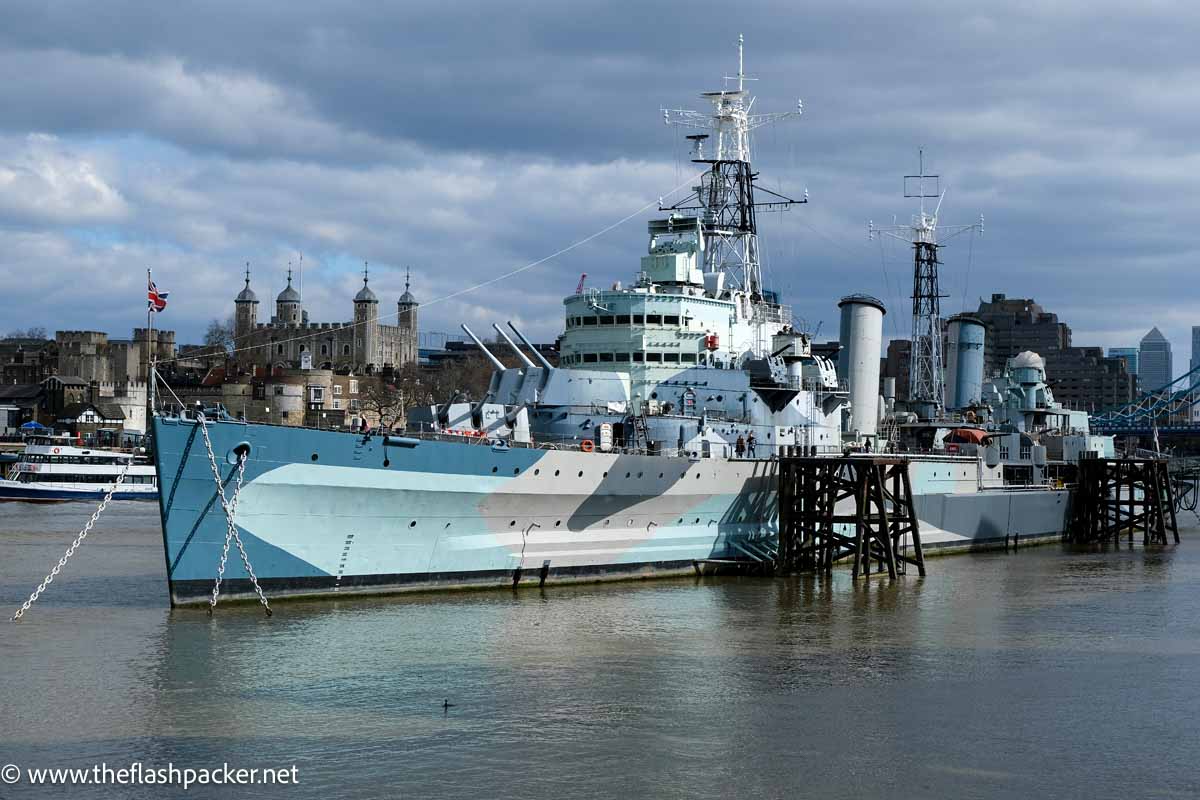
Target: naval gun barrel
(511, 344)
(536, 353)
(495, 361)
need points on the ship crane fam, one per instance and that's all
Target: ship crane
(925, 361)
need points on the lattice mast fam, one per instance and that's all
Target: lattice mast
(724, 200)
(926, 362)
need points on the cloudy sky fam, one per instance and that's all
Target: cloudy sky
(466, 139)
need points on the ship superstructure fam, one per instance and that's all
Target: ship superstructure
(648, 449)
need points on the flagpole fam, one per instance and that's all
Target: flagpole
(149, 357)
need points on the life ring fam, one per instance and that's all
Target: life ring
(587, 446)
(56, 451)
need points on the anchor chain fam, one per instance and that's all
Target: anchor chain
(231, 532)
(62, 562)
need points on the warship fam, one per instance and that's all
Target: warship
(651, 448)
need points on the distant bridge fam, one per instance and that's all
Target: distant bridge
(1167, 410)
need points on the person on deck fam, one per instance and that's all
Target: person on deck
(740, 447)
(750, 442)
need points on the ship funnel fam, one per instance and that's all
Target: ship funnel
(495, 361)
(861, 339)
(964, 361)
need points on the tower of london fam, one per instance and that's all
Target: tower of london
(363, 345)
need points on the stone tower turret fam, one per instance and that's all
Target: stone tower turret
(406, 307)
(245, 315)
(287, 305)
(366, 326)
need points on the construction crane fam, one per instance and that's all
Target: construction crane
(579, 288)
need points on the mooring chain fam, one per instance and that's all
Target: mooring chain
(62, 562)
(231, 532)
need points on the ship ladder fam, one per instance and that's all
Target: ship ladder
(62, 562)
(231, 531)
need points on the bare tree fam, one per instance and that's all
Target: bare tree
(219, 333)
(35, 332)
(383, 401)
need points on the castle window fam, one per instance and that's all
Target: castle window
(354, 404)
(337, 390)
(337, 404)
(303, 348)
(353, 387)
(279, 349)
(324, 349)
(345, 349)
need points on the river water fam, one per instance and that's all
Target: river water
(1043, 673)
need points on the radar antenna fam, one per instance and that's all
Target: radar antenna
(724, 200)
(925, 389)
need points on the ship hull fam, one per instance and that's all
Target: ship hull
(327, 513)
(35, 493)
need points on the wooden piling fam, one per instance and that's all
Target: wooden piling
(876, 514)
(1118, 496)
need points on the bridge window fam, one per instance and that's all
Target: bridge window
(688, 358)
(671, 358)
(589, 358)
(639, 319)
(654, 357)
(606, 320)
(622, 356)
(606, 357)
(670, 320)
(622, 319)
(589, 320)
(654, 319)
(639, 357)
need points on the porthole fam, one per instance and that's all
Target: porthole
(606, 522)
(494, 469)
(697, 520)
(387, 462)
(639, 474)
(630, 523)
(537, 472)
(556, 473)
(720, 397)
(605, 475)
(627, 474)
(697, 476)
(516, 470)
(512, 524)
(314, 456)
(680, 521)
(412, 524)
(654, 395)
(660, 474)
(557, 522)
(581, 473)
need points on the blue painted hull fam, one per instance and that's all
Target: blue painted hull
(18, 493)
(326, 512)
(329, 513)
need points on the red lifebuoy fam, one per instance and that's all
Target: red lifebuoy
(587, 446)
(711, 341)
(56, 450)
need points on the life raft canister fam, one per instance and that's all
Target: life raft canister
(711, 341)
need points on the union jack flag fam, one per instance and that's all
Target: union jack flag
(157, 300)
